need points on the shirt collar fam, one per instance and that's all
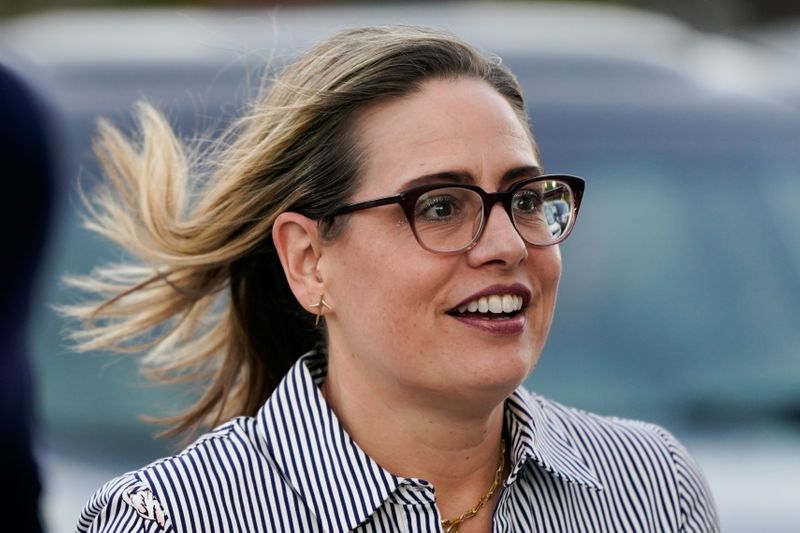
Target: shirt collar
(336, 479)
(343, 486)
(538, 436)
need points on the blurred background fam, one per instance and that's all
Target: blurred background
(680, 300)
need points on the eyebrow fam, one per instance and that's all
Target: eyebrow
(453, 176)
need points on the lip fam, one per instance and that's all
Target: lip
(504, 326)
(500, 327)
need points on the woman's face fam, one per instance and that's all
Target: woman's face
(395, 305)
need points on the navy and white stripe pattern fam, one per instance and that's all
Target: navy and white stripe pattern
(292, 468)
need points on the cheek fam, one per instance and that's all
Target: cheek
(545, 265)
(387, 283)
(403, 291)
(548, 264)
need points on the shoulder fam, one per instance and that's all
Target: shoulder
(187, 491)
(606, 431)
(124, 503)
(634, 459)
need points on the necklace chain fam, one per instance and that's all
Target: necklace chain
(452, 525)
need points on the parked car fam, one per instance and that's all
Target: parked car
(679, 300)
(560, 213)
(550, 215)
(779, 81)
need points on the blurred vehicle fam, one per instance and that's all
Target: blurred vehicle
(560, 211)
(782, 39)
(679, 302)
(550, 215)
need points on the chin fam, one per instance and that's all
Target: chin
(500, 374)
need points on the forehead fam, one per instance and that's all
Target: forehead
(459, 126)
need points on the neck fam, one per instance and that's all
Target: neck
(455, 449)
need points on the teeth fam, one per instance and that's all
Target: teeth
(508, 303)
(496, 304)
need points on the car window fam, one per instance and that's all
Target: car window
(679, 297)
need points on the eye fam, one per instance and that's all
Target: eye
(526, 201)
(441, 207)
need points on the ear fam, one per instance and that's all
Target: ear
(297, 242)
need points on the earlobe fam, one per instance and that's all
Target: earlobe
(297, 242)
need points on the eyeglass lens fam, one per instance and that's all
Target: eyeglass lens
(449, 219)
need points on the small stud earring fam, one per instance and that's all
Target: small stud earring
(319, 305)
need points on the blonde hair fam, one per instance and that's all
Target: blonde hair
(207, 300)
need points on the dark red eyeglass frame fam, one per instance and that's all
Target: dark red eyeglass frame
(408, 199)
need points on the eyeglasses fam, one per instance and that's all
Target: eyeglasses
(449, 218)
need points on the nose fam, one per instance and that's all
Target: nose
(500, 242)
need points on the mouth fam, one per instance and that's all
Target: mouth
(495, 304)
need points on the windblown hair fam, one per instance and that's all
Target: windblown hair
(207, 300)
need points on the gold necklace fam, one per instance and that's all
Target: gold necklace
(452, 525)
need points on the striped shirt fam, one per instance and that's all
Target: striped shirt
(293, 468)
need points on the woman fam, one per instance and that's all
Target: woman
(383, 210)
